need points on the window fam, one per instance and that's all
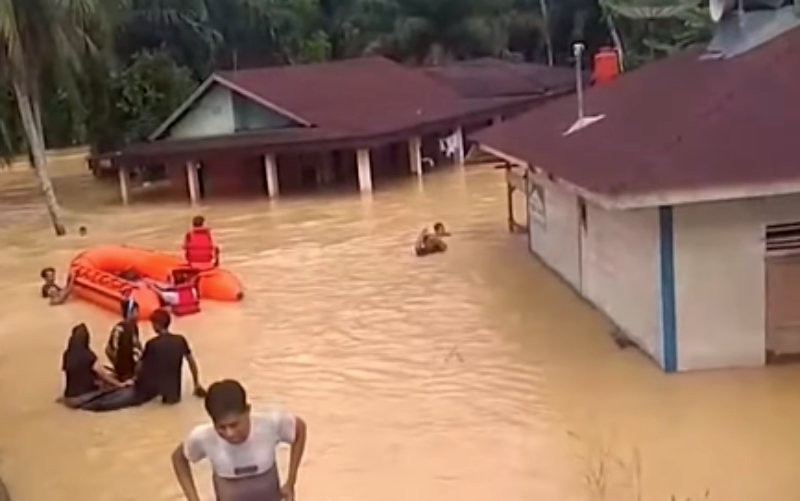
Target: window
(783, 238)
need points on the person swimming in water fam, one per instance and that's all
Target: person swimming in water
(51, 290)
(431, 243)
(85, 379)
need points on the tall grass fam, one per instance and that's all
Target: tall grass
(609, 476)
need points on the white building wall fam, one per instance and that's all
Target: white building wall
(554, 235)
(621, 272)
(212, 115)
(613, 261)
(720, 279)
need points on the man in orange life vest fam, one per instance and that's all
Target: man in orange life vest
(198, 246)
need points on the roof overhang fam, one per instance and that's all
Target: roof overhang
(644, 200)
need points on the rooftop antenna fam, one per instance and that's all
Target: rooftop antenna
(582, 120)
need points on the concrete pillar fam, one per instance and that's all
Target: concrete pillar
(271, 172)
(459, 158)
(415, 155)
(123, 184)
(364, 170)
(193, 181)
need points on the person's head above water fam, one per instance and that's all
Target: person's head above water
(227, 406)
(439, 229)
(82, 231)
(130, 310)
(198, 221)
(161, 319)
(48, 274)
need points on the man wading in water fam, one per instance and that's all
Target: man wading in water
(240, 446)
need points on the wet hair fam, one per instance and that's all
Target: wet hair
(128, 307)
(161, 319)
(224, 398)
(198, 221)
(78, 352)
(438, 226)
(82, 230)
(47, 270)
(79, 339)
(125, 363)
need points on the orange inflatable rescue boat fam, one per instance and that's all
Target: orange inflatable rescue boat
(97, 278)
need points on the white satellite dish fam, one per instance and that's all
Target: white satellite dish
(717, 8)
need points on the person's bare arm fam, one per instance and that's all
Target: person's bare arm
(61, 296)
(198, 388)
(183, 472)
(106, 377)
(295, 456)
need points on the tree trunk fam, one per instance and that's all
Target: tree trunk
(34, 135)
(548, 40)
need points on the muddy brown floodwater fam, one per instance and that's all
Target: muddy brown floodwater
(475, 375)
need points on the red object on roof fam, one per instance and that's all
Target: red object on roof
(606, 65)
(680, 123)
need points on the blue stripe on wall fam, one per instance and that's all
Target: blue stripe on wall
(668, 319)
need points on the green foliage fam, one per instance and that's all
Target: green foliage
(657, 28)
(148, 91)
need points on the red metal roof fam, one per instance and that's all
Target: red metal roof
(357, 102)
(372, 95)
(489, 77)
(677, 124)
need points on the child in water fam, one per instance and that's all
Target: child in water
(51, 290)
(430, 243)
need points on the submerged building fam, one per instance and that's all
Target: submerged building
(355, 123)
(676, 210)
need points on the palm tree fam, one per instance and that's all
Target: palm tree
(35, 34)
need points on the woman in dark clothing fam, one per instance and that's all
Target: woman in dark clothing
(83, 375)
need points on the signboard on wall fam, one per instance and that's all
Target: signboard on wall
(536, 206)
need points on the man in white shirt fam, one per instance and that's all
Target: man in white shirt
(240, 445)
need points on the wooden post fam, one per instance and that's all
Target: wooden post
(364, 171)
(459, 133)
(122, 171)
(271, 171)
(194, 182)
(415, 155)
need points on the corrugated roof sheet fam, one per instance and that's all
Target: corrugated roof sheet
(343, 101)
(487, 77)
(357, 95)
(680, 123)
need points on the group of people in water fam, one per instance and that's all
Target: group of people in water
(239, 443)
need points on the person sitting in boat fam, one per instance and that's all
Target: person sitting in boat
(123, 334)
(198, 246)
(85, 380)
(430, 243)
(51, 290)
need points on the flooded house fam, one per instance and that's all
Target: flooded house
(675, 208)
(356, 123)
